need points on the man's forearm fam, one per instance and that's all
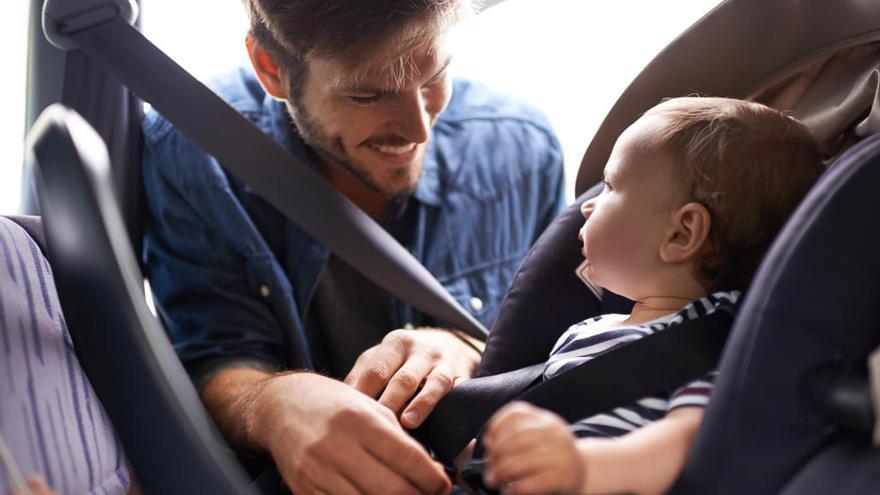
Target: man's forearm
(230, 397)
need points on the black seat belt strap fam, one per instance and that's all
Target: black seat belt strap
(277, 175)
(660, 361)
(655, 363)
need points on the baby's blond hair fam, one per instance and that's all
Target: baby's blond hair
(750, 165)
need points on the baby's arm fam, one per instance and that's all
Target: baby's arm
(531, 450)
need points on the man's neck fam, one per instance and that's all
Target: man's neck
(367, 199)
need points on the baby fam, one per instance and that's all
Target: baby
(695, 192)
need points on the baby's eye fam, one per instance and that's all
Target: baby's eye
(607, 185)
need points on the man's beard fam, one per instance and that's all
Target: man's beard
(315, 136)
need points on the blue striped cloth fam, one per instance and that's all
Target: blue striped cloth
(50, 418)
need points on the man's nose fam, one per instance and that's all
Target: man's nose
(412, 120)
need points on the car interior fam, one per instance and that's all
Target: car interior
(796, 405)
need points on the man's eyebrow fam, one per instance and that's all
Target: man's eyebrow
(384, 91)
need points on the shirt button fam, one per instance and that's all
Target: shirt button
(264, 291)
(476, 304)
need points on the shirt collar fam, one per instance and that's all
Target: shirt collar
(428, 188)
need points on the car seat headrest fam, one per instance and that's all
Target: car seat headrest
(545, 298)
(734, 51)
(837, 95)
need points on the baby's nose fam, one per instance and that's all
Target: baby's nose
(586, 209)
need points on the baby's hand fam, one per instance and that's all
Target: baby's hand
(531, 450)
(37, 486)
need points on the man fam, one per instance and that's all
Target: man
(246, 294)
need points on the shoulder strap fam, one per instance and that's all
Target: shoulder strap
(277, 175)
(660, 361)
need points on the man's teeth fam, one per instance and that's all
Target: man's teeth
(394, 150)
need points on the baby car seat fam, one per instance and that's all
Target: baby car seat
(807, 326)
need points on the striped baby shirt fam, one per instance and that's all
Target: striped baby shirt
(598, 335)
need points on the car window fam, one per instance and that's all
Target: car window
(13, 36)
(572, 58)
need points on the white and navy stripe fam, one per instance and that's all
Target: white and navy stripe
(596, 336)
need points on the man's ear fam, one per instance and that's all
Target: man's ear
(688, 235)
(266, 69)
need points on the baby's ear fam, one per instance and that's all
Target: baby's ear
(688, 234)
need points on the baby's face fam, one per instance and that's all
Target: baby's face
(626, 224)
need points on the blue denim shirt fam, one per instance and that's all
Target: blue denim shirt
(231, 276)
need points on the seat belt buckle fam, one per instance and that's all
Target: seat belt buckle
(874, 380)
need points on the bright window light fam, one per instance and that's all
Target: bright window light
(571, 58)
(13, 36)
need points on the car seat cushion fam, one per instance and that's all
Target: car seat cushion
(50, 418)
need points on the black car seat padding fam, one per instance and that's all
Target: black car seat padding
(809, 321)
(545, 298)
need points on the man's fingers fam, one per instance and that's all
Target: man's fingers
(405, 382)
(309, 476)
(352, 376)
(326, 483)
(437, 385)
(373, 374)
(370, 475)
(404, 455)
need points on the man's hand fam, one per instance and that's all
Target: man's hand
(531, 450)
(406, 360)
(326, 437)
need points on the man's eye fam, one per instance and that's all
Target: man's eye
(364, 100)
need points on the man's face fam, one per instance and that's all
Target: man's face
(625, 225)
(374, 126)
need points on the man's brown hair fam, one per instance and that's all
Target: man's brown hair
(353, 32)
(749, 165)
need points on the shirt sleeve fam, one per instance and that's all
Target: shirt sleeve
(203, 258)
(693, 394)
